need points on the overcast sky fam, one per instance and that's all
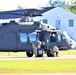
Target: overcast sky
(13, 4)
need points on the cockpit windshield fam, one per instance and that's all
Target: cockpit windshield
(65, 36)
(32, 37)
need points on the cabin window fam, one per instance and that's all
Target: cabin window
(53, 37)
(32, 37)
(23, 37)
(71, 23)
(45, 21)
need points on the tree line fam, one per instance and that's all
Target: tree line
(70, 6)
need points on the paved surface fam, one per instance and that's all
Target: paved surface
(25, 58)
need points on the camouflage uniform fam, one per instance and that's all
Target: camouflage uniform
(37, 46)
(56, 50)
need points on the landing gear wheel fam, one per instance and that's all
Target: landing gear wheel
(29, 54)
(49, 54)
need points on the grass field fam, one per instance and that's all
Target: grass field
(69, 52)
(38, 66)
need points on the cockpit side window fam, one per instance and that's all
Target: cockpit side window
(53, 36)
(23, 37)
(65, 36)
(59, 37)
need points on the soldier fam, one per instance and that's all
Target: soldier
(56, 50)
(43, 44)
(37, 46)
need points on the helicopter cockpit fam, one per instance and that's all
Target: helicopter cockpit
(67, 37)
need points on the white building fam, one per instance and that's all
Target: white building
(61, 19)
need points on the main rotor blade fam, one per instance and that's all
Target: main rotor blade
(19, 13)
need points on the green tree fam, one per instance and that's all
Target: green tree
(73, 7)
(62, 3)
(19, 7)
(50, 2)
(57, 3)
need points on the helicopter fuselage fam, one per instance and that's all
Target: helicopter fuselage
(18, 37)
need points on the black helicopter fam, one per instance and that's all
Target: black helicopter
(30, 36)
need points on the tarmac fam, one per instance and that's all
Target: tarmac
(35, 58)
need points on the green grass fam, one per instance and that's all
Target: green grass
(38, 66)
(69, 52)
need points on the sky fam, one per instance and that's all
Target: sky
(13, 4)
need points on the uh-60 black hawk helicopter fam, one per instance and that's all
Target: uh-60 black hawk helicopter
(30, 36)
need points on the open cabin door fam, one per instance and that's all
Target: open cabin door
(53, 39)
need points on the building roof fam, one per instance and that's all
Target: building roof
(59, 12)
(18, 13)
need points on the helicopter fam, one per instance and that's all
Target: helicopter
(28, 35)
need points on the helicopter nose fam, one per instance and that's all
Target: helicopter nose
(73, 44)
